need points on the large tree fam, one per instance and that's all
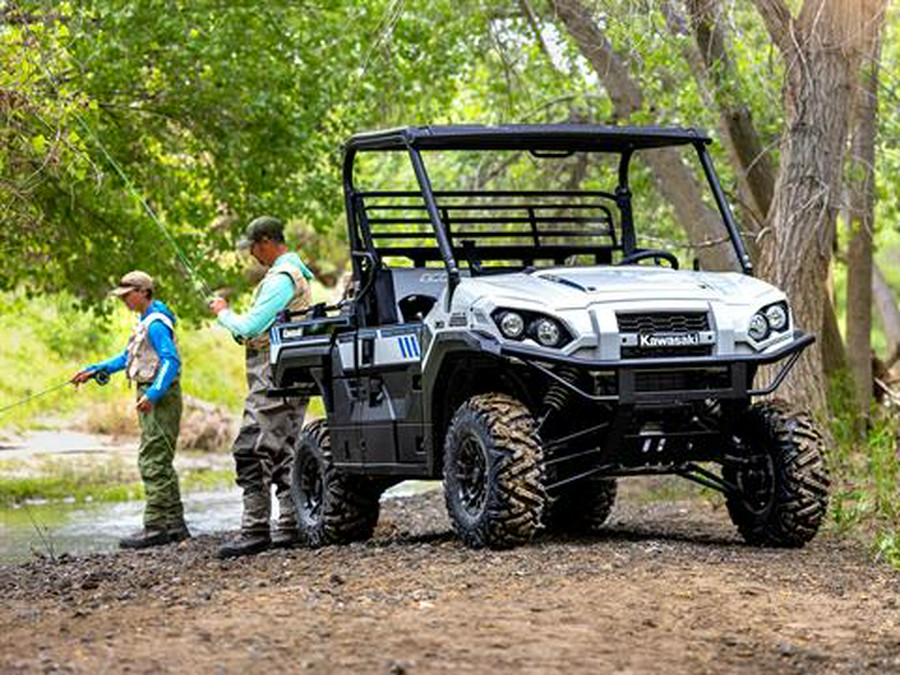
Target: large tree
(822, 49)
(861, 221)
(134, 133)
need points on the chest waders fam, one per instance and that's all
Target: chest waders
(263, 447)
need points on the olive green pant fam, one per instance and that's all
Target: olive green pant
(159, 436)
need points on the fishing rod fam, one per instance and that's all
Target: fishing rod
(99, 376)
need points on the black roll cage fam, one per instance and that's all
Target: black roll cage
(540, 140)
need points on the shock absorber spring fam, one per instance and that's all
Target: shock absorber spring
(558, 394)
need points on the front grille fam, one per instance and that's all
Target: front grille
(663, 322)
(682, 380)
(662, 352)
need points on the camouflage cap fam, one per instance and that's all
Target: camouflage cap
(134, 280)
(263, 227)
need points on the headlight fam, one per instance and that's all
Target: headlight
(546, 332)
(770, 319)
(512, 325)
(759, 327)
(777, 316)
(521, 324)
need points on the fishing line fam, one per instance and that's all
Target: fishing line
(199, 284)
(34, 396)
(99, 377)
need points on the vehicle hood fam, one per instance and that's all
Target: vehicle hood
(574, 287)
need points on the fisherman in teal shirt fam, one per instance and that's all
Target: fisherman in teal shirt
(262, 450)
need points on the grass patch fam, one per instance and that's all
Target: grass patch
(81, 488)
(206, 480)
(864, 468)
(51, 488)
(54, 479)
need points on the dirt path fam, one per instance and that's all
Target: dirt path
(669, 589)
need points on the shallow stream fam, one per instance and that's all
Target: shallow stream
(52, 528)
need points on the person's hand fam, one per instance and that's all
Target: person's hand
(82, 376)
(217, 305)
(144, 405)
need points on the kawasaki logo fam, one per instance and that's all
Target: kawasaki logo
(650, 340)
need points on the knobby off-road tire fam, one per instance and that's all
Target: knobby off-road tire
(583, 507)
(332, 508)
(784, 494)
(493, 473)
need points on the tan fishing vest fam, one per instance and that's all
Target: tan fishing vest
(301, 300)
(143, 361)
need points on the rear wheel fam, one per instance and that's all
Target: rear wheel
(583, 507)
(781, 481)
(332, 508)
(493, 472)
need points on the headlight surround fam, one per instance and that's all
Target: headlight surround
(516, 324)
(774, 318)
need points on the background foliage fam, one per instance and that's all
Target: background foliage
(146, 134)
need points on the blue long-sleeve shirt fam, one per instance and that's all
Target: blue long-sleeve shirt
(161, 339)
(273, 296)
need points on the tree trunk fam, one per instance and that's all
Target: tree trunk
(861, 184)
(834, 356)
(822, 50)
(754, 166)
(677, 185)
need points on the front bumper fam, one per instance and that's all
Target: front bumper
(661, 380)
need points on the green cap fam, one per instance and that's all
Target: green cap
(264, 227)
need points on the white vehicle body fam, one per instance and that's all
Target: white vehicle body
(521, 346)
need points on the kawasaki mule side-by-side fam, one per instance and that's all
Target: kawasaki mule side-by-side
(511, 343)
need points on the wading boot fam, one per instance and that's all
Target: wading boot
(286, 534)
(254, 537)
(245, 544)
(179, 531)
(149, 536)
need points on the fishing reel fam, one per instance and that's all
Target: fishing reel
(101, 377)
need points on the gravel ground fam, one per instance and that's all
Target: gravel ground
(667, 588)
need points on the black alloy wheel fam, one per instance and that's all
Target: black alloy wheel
(493, 472)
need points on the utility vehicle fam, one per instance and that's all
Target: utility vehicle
(529, 347)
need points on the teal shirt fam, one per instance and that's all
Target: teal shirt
(273, 296)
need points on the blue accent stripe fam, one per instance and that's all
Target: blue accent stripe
(409, 346)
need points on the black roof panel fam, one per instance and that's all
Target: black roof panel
(547, 137)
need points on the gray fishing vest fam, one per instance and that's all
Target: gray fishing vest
(143, 361)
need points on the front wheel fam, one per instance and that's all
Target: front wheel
(332, 508)
(780, 478)
(493, 473)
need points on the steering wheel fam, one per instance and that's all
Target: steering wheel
(657, 255)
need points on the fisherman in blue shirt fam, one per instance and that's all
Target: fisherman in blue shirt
(263, 448)
(151, 361)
